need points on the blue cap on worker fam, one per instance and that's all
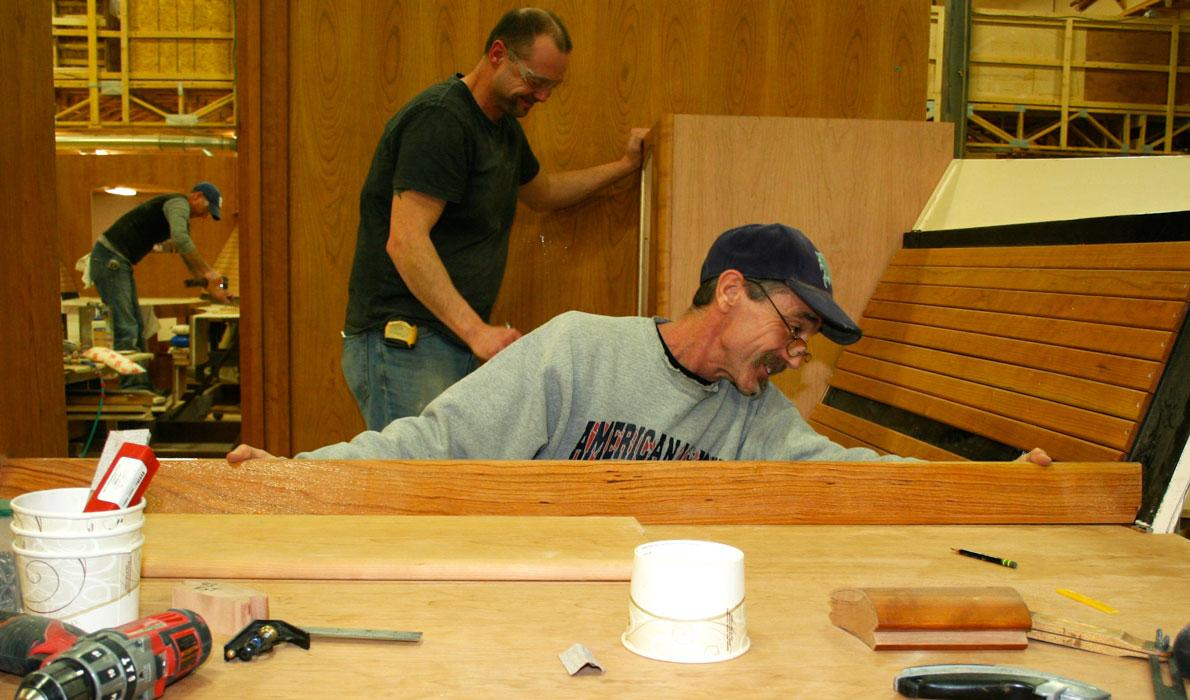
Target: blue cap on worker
(214, 199)
(780, 252)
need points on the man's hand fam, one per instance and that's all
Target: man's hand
(243, 452)
(490, 340)
(635, 148)
(1037, 456)
(215, 288)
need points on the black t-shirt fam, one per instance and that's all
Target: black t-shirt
(443, 145)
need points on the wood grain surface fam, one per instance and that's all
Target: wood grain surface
(652, 492)
(30, 329)
(389, 548)
(502, 639)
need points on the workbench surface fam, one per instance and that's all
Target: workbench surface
(502, 639)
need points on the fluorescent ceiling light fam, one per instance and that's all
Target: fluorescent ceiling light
(122, 191)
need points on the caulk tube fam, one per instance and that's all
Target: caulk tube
(125, 480)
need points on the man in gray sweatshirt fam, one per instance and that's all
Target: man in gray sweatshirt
(596, 387)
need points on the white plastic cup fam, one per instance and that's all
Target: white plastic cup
(687, 602)
(82, 568)
(61, 510)
(93, 591)
(66, 542)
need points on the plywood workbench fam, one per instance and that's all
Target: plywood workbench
(538, 579)
(502, 638)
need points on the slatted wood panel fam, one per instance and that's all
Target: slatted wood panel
(950, 492)
(1056, 346)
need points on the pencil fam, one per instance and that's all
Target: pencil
(985, 557)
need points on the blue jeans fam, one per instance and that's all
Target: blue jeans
(112, 275)
(390, 382)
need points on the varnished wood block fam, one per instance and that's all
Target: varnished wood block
(993, 617)
(226, 607)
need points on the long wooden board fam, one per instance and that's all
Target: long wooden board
(390, 548)
(1173, 255)
(652, 492)
(1140, 313)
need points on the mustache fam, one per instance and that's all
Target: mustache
(772, 362)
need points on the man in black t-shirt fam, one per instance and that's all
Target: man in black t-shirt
(435, 214)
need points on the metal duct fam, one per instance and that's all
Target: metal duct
(183, 142)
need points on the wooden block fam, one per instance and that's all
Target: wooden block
(933, 618)
(226, 607)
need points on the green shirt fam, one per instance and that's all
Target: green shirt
(440, 144)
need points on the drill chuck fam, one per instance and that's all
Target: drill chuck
(103, 665)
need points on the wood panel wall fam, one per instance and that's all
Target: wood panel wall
(158, 275)
(32, 403)
(349, 65)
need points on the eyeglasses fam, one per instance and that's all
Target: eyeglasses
(534, 80)
(797, 345)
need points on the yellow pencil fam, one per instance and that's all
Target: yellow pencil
(1098, 605)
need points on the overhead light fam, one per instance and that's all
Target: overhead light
(122, 191)
(101, 151)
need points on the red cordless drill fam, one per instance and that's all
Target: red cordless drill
(133, 661)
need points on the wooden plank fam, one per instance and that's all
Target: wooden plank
(1140, 313)
(1105, 256)
(652, 492)
(1010, 430)
(1080, 423)
(1123, 372)
(1136, 284)
(1128, 404)
(1110, 338)
(388, 548)
(841, 438)
(876, 436)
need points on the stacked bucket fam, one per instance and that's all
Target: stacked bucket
(81, 568)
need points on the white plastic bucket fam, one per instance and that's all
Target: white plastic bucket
(61, 510)
(95, 590)
(82, 568)
(66, 542)
(687, 602)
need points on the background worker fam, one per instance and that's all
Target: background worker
(596, 387)
(162, 222)
(435, 214)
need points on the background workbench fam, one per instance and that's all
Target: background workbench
(502, 638)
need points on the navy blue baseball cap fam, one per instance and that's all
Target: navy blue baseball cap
(214, 199)
(780, 252)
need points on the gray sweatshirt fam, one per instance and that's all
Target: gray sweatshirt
(595, 387)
